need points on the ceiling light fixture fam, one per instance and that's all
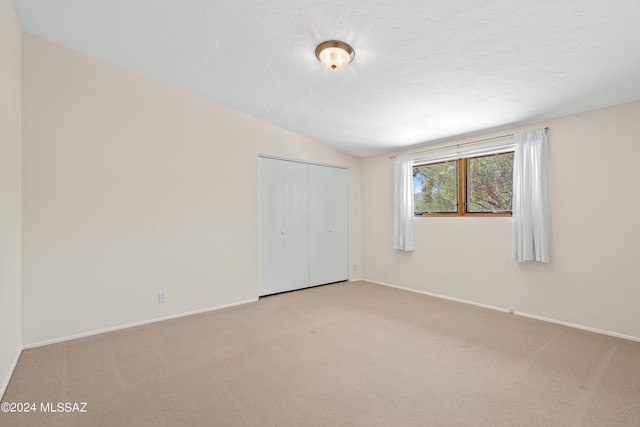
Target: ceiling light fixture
(334, 54)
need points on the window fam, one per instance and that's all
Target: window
(435, 187)
(480, 186)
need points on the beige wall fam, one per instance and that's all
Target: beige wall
(10, 340)
(593, 278)
(131, 188)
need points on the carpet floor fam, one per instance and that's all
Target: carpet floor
(348, 354)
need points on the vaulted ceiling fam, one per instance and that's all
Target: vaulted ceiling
(424, 71)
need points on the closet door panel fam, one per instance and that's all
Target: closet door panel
(271, 238)
(296, 226)
(328, 225)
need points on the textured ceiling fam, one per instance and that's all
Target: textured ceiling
(424, 71)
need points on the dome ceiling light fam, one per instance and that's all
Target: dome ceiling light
(334, 54)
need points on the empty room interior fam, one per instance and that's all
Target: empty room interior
(291, 213)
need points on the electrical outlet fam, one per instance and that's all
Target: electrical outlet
(162, 297)
(355, 267)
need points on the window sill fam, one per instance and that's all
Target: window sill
(455, 214)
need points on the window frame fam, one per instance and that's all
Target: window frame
(463, 186)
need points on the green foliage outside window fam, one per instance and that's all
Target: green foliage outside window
(436, 187)
(485, 185)
(490, 182)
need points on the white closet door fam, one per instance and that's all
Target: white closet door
(283, 207)
(296, 226)
(328, 225)
(270, 225)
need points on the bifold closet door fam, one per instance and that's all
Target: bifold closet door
(283, 204)
(328, 225)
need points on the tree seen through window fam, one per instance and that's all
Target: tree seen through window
(478, 185)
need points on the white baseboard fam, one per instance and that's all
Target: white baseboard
(516, 313)
(5, 382)
(131, 325)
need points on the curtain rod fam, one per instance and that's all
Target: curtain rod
(465, 143)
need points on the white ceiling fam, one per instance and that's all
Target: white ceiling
(424, 71)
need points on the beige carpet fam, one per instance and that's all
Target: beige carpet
(349, 354)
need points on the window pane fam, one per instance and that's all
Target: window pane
(435, 187)
(490, 181)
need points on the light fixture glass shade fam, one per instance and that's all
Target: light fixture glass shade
(334, 55)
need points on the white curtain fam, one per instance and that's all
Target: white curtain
(531, 210)
(403, 203)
